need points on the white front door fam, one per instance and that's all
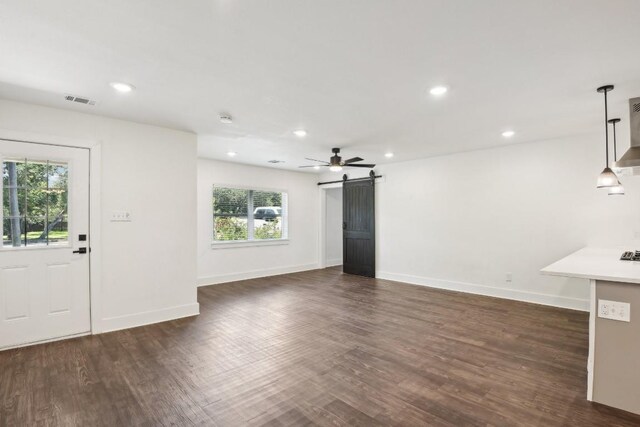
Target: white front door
(44, 274)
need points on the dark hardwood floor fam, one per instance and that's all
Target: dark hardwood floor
(317, 348)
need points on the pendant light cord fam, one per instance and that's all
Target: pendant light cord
(615, 153)
(606, 129)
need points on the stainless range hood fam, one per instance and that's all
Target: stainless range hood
(631, 159)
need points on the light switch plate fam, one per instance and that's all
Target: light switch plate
(614, 310)
(120, 216)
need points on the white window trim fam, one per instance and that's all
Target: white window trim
(228, 244)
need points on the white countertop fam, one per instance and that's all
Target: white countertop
(597, 263)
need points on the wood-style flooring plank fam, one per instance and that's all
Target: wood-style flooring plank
(317, 348)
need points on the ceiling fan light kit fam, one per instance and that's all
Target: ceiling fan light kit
(335, 163)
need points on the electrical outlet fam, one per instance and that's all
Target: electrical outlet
(120, 216)
(508, 277)
(614, 310)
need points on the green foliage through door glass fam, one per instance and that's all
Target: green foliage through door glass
(34, 202)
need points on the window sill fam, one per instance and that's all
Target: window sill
(247, 243)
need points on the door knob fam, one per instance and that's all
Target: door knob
(80, 251)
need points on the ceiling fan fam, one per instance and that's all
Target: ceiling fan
(336, 163)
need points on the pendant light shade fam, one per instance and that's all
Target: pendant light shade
(607, 178)
(618, 190)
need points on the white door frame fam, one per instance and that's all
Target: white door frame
(322, 240)
(95, 173)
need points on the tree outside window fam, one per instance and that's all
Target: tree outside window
(244, 215)
(34, 202)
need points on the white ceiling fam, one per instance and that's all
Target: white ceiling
(355, 74)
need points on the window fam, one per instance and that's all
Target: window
(34, 203)
(248, 215)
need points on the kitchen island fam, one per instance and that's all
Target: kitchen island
(613, 364)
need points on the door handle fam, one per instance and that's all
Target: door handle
(80, 251)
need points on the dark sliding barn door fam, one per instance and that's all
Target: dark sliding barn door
(358, 236)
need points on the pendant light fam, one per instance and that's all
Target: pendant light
(607, 178)
(618, 190)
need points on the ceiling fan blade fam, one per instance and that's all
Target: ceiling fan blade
(314, 166)
(314, 160)
(362, 165)
(353, 160)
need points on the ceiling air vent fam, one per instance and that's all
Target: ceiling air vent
(276, 161)
(79, 100)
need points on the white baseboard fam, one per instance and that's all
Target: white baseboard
(28, 344)
(254, 274)
(140, 319)
(472, 288)
(333, 262)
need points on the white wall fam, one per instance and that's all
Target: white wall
(217, 265)
(463, 221)
(148, 269)
(333, 229)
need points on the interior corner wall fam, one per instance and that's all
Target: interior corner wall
(148, 265)
(333, 227)
(464, 221)
(219, 265)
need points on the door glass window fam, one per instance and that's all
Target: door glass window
(34, 203)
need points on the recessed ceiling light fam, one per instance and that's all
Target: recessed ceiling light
(438, 90)
(388, 155)
(301, 133)
(226, 119)
(231, 154)
(508, 133)
(122, 87)
(316, 167)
